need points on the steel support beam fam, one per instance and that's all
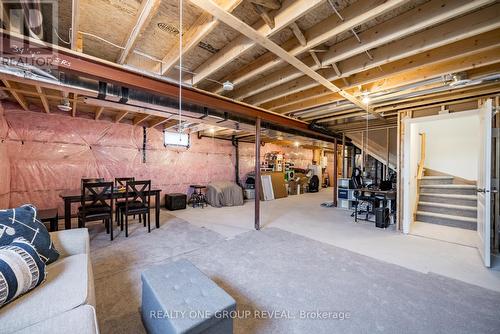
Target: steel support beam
(91, 67)
(257, 174)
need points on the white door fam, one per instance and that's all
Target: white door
(484, 183)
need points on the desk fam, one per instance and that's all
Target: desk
(75, 196)
(375, 195)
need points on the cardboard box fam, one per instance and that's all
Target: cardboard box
(278, 181)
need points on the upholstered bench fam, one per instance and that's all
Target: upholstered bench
(179, 298)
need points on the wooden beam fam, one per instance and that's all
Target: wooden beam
(264, 15)
(121, 115)
(315, 58)
(43, 98)
(288, 13)
(75, 105)
(203, 26)
(146, 11)
(18, 97)
(98, 112)
(141, 118)
(70, 62)
(75, 23)
(160, 121)
(471, 45)
(271, 4)
(259, 38)
(354, 15)
(449, 32)
(298, 33)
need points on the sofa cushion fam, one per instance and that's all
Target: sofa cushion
(80, 320)
(67, 286)
(21, 270)
(22, 222)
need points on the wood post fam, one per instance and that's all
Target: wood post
(335, 172)
(343, 156)
(257, 174)
(387, 155)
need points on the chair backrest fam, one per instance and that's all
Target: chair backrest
(97, 193)
(356, 178)
(91, 180)
(139, 191)
(122, 181)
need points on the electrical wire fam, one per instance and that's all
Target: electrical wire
(60, 38)
(102, 39)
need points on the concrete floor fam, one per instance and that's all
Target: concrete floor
(445, 233)
(304, 216)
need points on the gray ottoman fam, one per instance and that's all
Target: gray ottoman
(179, 298)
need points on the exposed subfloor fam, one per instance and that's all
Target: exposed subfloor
(303, 215)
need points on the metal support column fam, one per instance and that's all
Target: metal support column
(335, 172)
(257, 174)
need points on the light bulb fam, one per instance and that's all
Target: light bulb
(366, 99)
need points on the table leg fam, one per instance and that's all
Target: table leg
(67, 214)
(157, 209)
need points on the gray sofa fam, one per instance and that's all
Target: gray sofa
(65, 302)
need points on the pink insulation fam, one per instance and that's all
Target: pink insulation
(42, 155)
(4, 163)
(300, 156)
(48, 154)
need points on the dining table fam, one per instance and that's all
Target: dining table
(75, 196)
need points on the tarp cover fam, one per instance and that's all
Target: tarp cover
(223, 193)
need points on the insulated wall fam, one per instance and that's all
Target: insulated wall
(4, 163)
(50, 153)
(300, 156)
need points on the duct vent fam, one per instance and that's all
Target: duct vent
(208, 47)
(168, 28)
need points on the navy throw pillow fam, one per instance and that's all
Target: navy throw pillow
(21, 270)
(22, 222)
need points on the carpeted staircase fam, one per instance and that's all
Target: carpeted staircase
(444, 202)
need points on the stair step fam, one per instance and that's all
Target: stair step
(449, 206)
(452, 199)
(456, 189)
(448, 209)
(436, 180)
(447, 220)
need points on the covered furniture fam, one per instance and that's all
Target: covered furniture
(224, 193)
(65, 302)
(181, 288)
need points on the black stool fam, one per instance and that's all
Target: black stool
(50, 216)
(198, 197)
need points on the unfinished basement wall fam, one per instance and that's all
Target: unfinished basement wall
(49, 154)
(4, 163)
(301, 157)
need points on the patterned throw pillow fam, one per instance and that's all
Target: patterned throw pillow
(21, 270)
(22, 222)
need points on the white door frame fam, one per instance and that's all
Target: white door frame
(407, 178)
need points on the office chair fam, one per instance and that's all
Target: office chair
(359, 197)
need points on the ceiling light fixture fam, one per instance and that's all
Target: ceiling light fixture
(366, 98)
(228, 86)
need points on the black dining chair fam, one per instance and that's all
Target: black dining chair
(90, 180)
(97, 204)
(138, 202)
(120, 182)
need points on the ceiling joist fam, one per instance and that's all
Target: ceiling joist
(259, 38)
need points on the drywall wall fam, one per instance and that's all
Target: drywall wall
(4, 163)
(452, 145)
